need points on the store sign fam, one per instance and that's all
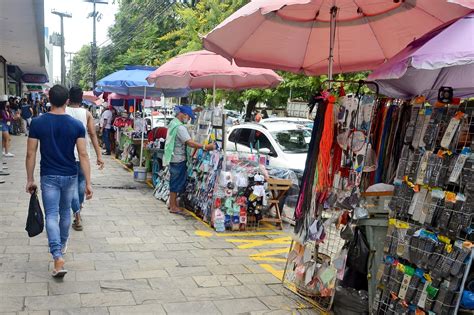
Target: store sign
(34, 78)
(34, 88)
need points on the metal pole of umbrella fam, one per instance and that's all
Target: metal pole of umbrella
(332, 39)
(214, 93)
(143, 127)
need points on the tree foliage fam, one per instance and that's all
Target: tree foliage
(150, 32)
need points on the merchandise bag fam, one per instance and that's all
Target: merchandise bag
(358, 253)
(35, 220)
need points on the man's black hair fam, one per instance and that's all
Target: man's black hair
(75, 95)
(58, 95)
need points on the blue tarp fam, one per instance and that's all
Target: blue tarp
(132, 81)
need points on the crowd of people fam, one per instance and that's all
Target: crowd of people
(16, 114)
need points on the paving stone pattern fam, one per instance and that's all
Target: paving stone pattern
(133, 257)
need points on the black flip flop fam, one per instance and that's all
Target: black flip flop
(59, 274)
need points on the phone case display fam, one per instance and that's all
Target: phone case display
(428, 243)
(330, 194)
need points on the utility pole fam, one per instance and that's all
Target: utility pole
(62, 15)
(96, 16)
(71, 83)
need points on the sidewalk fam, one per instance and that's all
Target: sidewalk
(133, 257)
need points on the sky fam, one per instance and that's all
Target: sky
(78, 29)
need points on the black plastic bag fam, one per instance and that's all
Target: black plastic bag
(35, 220)
(358, 254)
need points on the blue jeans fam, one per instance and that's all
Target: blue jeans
(78, 198)
(106, 139)
(57, 192)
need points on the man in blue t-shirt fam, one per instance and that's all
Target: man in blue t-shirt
(58, 134)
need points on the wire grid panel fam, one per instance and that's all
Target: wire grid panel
(326, 251)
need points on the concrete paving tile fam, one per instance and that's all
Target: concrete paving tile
(158, 296)
(239, 306)
(107, 248)
(65, 301)
(124, 285)
(195, 308)
(250, 290)
(107, 299)
(216, 281)
(278, 302)
(183, 246)
(173, 254)
(89, 275)
(147, 309)
(148, 247)
(115, 264)
(124, 240)
(23, 266)
(197, 261)
(147, 264)
(33, 313)
(60, 288)
(12, 277)
(209, 253)
(82, 311)
(209, 294)
(23, 289)
(264, 278)
(234, 260)
(11, 303)
(45, 276)
(134, 255)
(226, 270)
(94, 256)
(24, 249)
(172, 283)
(187, 271)
(144, 274)
(14, 257)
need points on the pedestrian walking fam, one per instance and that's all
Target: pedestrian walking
(75, 110)
(105, 127)
(7, 120)
(58, 134)
(26, 115)
(175, 155)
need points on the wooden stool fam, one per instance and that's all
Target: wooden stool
(278, 189)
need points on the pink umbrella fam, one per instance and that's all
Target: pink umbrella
(89, 96)
(204, 69)
(296, 35)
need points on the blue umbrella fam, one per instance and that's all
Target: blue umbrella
(132, 81)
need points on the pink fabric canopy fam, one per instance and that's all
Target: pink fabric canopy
(89, 96)
(204, 69)
(294, 35)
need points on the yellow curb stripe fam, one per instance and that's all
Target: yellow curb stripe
(271, 252)
(268, 259)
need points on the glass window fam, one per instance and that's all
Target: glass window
(292, 141)
(244, 136)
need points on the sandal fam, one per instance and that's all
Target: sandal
(59, 274)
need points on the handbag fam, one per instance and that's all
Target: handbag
(35, 220)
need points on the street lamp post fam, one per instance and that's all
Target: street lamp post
(62, 15)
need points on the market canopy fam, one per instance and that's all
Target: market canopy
(296, 35)
(204, 69)
(132, 81)
(442, 57)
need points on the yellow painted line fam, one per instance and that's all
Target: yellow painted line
(268, 259)
(273, 271)
(241, 234)
(271, 252)
(256, 243)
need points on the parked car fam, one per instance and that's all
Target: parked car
(294, 120)
(285, 144)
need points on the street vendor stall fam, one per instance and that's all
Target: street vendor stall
(203, 69)
(294, 35)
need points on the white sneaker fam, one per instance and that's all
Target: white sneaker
(9, 154)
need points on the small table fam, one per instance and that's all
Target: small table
(278, 189)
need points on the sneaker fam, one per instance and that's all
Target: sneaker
(77, 224)
(64, 249)
(9, 154)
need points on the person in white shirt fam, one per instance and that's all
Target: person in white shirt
(106, 126)
(75, 110)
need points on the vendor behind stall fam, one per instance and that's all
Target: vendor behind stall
(175, 156)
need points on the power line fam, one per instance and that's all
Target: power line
(131, 32)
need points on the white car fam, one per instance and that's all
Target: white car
(285, 144)
(293, 120)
